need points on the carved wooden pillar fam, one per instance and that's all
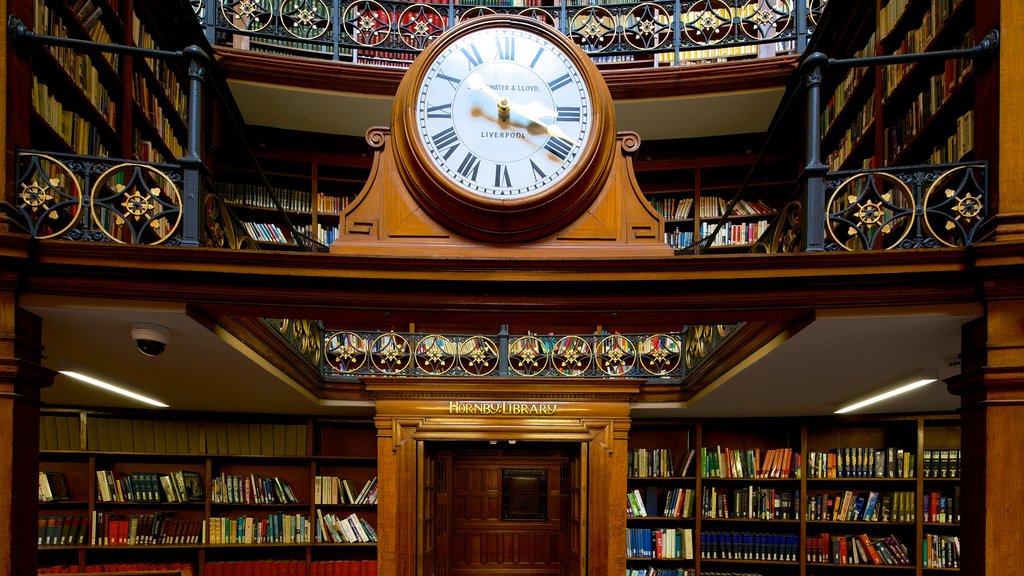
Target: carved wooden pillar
(991, 386)
(21, 379)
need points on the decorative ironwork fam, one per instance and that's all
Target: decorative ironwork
(49, 196)
(571, 356)
(390, 353)
(306, 19)
(304, 336)
(419, 25)
(436, 354)
(367, 23)
(615, 355)
(647, 26)
(785, 232)
(659, 354)
(618, 29)
(478, 356)
(954, 205)
(527, 356)
(597, 356)
(247, 15)
(346, 352)
(907, 207)
(135, 204)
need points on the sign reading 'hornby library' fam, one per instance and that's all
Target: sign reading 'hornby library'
(502, 408)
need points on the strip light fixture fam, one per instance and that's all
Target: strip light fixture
(79, 373)
(903, 386)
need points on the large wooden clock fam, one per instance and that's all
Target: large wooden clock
(502, 136)
(503, 129)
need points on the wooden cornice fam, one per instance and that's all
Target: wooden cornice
(382, 292)
(308, 72)
(623, 84)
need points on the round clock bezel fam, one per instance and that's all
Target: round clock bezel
(485, 217)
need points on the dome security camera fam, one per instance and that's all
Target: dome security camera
(150, 339)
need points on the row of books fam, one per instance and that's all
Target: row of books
(941, 508)
(680, 503)
(958, 144)
(857, 549)
(749, 546)
(842, 94)
(329, 204)
(80, 135)
(60, 530)
(266, 439)
(53, 486)
(150, 106)
(142, 435)
(259, 196)
(275, 528)
(672, 208)
(734, 233)
(862, 462)
(656, 571)
(115, 529)
(184, 568)
(898, 506)
(60, 432)
(679, 238)
(251, 489)
(165, 75)
(291, 568)
(940, 551)
(721, 462)
(663, 543)
(655, 463)
(858, 127)
(336, 490)
(714, 207)
(915, 118)
(326, 234)
(351, 529)
(342, 568)
(177, 486)
(750, 502)
(266, 232)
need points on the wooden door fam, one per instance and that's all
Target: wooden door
(506, 509)
(574, 512)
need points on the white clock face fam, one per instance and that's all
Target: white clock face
(504, 113)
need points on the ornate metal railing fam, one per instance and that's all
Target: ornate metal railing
(73, 197)
(354, 353)
(907, 207)
(390, 32)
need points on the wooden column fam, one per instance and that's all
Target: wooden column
(991, 386)
(21, 379)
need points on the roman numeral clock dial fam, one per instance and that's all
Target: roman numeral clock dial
(504, 113)
(502, 130)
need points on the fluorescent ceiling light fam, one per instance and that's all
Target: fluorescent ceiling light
(77, 374)
(905, 385)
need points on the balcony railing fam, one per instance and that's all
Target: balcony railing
(341, 354)
(659, 33)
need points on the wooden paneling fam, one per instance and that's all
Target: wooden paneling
(482, 542)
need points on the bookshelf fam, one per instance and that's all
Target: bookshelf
(313, 176)
(105, 104)
(905, 114)
(690, 183)
(217, 495)
(853, 486)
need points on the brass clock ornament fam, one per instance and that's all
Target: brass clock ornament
(504, 129)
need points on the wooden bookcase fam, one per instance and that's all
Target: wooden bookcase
(689, 182)
(215, 530)
(105, 104)
(796, 523)
(313, 176)
(904, 114)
